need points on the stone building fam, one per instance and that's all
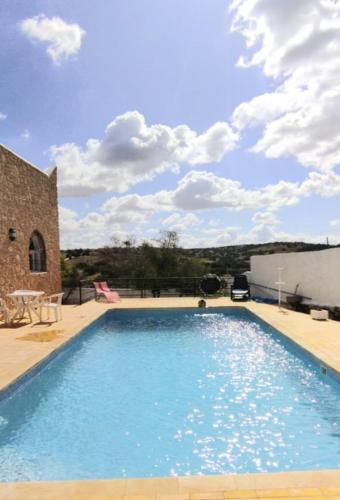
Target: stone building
(29, 232)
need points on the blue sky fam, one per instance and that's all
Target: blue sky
(213, 118)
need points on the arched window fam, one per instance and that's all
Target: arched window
(37, 253)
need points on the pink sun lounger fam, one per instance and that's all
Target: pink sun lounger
(102, 289)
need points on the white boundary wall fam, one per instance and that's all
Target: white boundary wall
(317, 273)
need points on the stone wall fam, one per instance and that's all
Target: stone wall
(28, 202)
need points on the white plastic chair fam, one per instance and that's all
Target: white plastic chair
(53, 302)
(4, 312)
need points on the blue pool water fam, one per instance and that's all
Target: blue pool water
(172, 392)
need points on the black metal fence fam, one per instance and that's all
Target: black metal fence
(175, 286)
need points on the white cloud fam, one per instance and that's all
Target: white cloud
(259, 233)
(92, 231)
(180, 222)
(264, 229)
(26, 135)
(203, 191)
(265, 218)
(63, 39)
(3, 116)
(198, 191)
(96, 230)
(132, 152)
(301, 53)
(335, 223)
(132, 209)
(210, 237)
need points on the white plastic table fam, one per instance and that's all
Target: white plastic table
(25, 300)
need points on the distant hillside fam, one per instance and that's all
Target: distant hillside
(233, 259)
(236, 258)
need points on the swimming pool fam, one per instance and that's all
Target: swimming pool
(172, 392)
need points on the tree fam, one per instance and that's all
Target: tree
(169, 239)
(168, 254)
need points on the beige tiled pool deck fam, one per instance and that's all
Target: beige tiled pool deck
(26, 345)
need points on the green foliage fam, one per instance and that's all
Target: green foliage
(126, 259)
(66, 268)
(70, 275)
(77, 252)
(164, 259)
